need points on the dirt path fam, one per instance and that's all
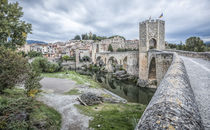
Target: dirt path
(54, 96)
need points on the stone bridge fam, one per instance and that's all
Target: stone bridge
(182, 100)
(128, 60)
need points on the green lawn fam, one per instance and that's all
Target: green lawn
(80, 79)
(73, 92)
(19, 112)
(113, 116)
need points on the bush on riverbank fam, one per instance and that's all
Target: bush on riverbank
(41, 64)
(113, 116)
(18, 111)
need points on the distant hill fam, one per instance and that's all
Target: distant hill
(34, 41)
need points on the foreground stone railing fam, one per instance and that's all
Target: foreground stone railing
(203, 55)
(173, 105)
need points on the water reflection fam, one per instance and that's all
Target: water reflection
(125, 89)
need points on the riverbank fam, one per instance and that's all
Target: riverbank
(18, 111)
(61, 93)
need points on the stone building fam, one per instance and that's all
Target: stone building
(152, 36)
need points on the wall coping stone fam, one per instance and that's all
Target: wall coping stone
(173, 105)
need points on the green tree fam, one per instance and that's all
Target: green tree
(85, 37)
(94, 37)
(33, 54)
(110, 48)
(66, 58)
(13, 30)
(77, 37)
(41, 64)
(32, 82)
(13, 68)
(195, 44)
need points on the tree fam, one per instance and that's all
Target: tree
(94, 37)
(32, 54)
(77, 37)
(41, 64)
(195, 44)
(85, 37)
(13, 30)
(110, 48)
(66, 58)
(13, 68)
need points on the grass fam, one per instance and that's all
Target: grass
(17, 111)
(73, 92)
(113, 116)
(79, 79)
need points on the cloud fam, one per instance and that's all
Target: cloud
(54, 20)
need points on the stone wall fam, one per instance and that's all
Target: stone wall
(203, 55)
(173, 105)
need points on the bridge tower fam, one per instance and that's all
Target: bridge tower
(151, 36)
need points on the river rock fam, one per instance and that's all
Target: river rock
(142, 83)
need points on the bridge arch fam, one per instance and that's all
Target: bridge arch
(112, 62)
(99, 61)
(152, 43)
(152, 69)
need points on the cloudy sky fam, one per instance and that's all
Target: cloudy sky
(61, 20)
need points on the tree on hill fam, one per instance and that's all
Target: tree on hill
(94, 37)
(13, 30)
(195, 44)
(117, 36)
(85, 37)
(77, 37)
(110, 48)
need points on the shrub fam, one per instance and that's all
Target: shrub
(52, 67)
(32, 54)
(66, 58)
(19, 112)
(32, 84)
(41, 64)
(13, 68)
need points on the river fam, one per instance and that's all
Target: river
(125, 89)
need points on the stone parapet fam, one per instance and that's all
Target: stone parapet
(203, 55)
(173, 105)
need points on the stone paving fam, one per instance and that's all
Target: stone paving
(199, 74)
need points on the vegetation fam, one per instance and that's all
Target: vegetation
(13, 68)
(110, 48)
(195, 44)
(191, 44)
(80, 79)
(89, 37)
(73, 92)
(66, 58)
(33, 54)
(113, 116)
(117, 36)
(18, 108)
(20, 112)
(13, 30)
(77, 37)
(41, 64)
